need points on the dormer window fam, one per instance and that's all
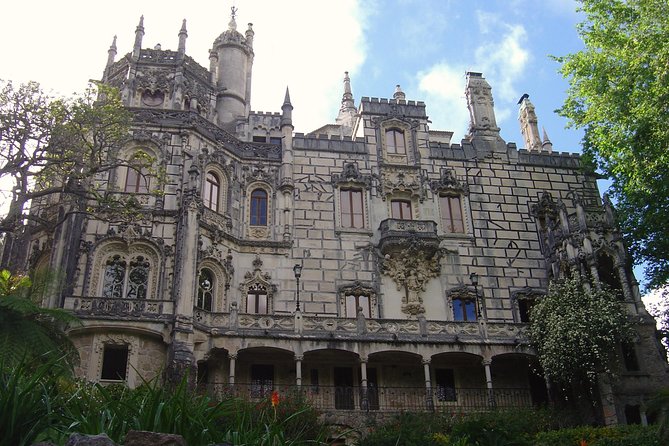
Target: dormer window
(395, 142)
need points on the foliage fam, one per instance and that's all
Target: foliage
(577, 330)
(600, 436)
(55, 151)
(27, 398)
(409, 429)
(26, 329)
(619, 89)
(659, 406)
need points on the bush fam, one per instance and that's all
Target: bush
(410, 429)
(601, 436)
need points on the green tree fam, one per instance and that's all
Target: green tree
(55, 154)
(576, 331)
(28, 331)
(619, 95)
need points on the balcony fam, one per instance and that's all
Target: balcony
(400, 234)
(107, 308)
(382, 398)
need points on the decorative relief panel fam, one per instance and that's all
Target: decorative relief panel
(397, 180)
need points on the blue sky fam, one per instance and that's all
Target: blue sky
(426, 46)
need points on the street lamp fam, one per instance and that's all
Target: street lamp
(474, 277)
(297, 269)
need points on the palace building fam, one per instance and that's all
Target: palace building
(373, 263)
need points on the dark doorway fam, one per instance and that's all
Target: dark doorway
(538, 391)
(262, 380)
(343, 381)
(372, 390)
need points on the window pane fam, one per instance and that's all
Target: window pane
(112, 285)
(399, 142)
(458, 313)
(401, 209)
(136, 181)
(262, 304)
(390, 141)
(363, 302)
(205, 290)
(357, 208)
(456, 213)
(351, 306)
(259, 208)
(211, 190)
(345, 200)
(138, 278)
(470, 309)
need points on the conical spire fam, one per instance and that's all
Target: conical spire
(287, 109)
(139, 34)
(111, 53)
(347, 111)
(182, 38)
(546, 145)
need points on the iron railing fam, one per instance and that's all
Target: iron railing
(383, 399)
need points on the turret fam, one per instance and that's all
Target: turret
(139, 35)
(234, 56)
(287, 111)
(546, 145)
(183, 34)
(347, 111)
(399, 94)
(529, 126)
(481, 106)
(111, 55)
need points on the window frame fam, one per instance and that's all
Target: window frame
(395, 135)
(202, 299)
(212, 191)
(462, 303)
(446, 206)
(255, 291)
(126, 285)
(403, 204)
(259, 204)
(106, 357)
(137, 181)
(348, 217)
(356, 298)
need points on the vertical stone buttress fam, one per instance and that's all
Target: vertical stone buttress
(181, 360)
(287, 185)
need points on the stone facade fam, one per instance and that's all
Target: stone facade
(419, 256)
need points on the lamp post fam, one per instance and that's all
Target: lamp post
(297, 269)
(474, 277)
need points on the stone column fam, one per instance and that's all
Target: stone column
(429, 401)
(298, 371)
(364, 394)
(231, 368)
(488, 381)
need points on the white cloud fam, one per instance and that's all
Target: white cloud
(502, 58)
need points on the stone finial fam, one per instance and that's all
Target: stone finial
(139, 35)
(481, 106)
(249, 35)
(546, 145)
(232, 24)
(183, 34)
(111, 53)
(399, 94)
(529, 126)
(287, 109)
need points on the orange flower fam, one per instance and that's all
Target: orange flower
(275, 399)
(583, 443)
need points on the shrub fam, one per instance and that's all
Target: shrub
(410, 429)
(600, 436)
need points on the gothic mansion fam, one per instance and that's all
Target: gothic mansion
(373, 263)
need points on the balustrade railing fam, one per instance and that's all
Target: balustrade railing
(127, 308)
(381, 398)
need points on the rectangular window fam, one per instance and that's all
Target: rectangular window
(259, 139)
(136, 182)
(451, 214)
(445, 379)
(395, 143)
(524, 307)
(355, 302)
(275, 140)
(401, 209)
(114, 362)
(256, 302)
(464, 310)
(352, 215)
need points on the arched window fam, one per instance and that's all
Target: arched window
(137, 181)
(259, 208)
(395, 142)
(122, 281)
(212, 187)
(205, 290)
(114, 277)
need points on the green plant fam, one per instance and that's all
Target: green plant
(600, 436)
(409, 429)
(27, 396)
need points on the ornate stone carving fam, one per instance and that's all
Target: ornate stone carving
(410, 269)
(397, 180)
(448, 182)
(351, 174)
